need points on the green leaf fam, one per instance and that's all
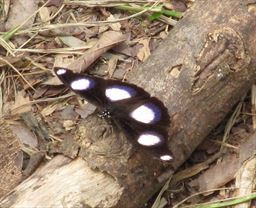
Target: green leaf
(155, 16)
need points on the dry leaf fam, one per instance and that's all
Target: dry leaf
(19, 12)
(112, 65)
(68, 113)
(36, 124)
(214, 177)
(163, 35)
(63, 60)
(107, 41)
(22, 104)
(144, 52)
(5, 6)
(44, 15)
(48, 110)
(53, 81)
(103, 28)
(125, 49)
(176, 5)
(85, 110)
(24, 134)
(74, 42)
(69, 124)
(40, 92)
(245, 181)
(56, 3)
(60, 60)
(114, 26)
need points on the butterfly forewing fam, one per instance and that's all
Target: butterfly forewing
(86, 86)
(118, 92)
(144, 119)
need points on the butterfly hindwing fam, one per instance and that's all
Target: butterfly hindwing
(146, 123)
(150, 137)
(143, 118)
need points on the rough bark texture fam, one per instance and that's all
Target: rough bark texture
(200, 71)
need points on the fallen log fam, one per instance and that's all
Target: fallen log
(199, 71)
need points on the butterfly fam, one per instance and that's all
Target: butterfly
(144, 119)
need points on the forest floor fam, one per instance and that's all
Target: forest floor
(36, 37)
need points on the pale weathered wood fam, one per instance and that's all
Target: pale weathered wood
(61, 183)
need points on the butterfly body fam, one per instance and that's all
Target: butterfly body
(144, 119)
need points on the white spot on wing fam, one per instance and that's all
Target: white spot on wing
(149, 139)
(61, 71)
(80, 84)
(166, 157)
(143, 114)
(118, 93)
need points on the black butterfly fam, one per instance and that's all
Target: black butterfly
(143, 118)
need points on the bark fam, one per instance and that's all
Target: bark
(200, 71)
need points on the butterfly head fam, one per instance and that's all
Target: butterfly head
(106, 113)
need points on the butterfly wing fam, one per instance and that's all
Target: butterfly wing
(86, 86)
(144, 119)
(145, 122)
